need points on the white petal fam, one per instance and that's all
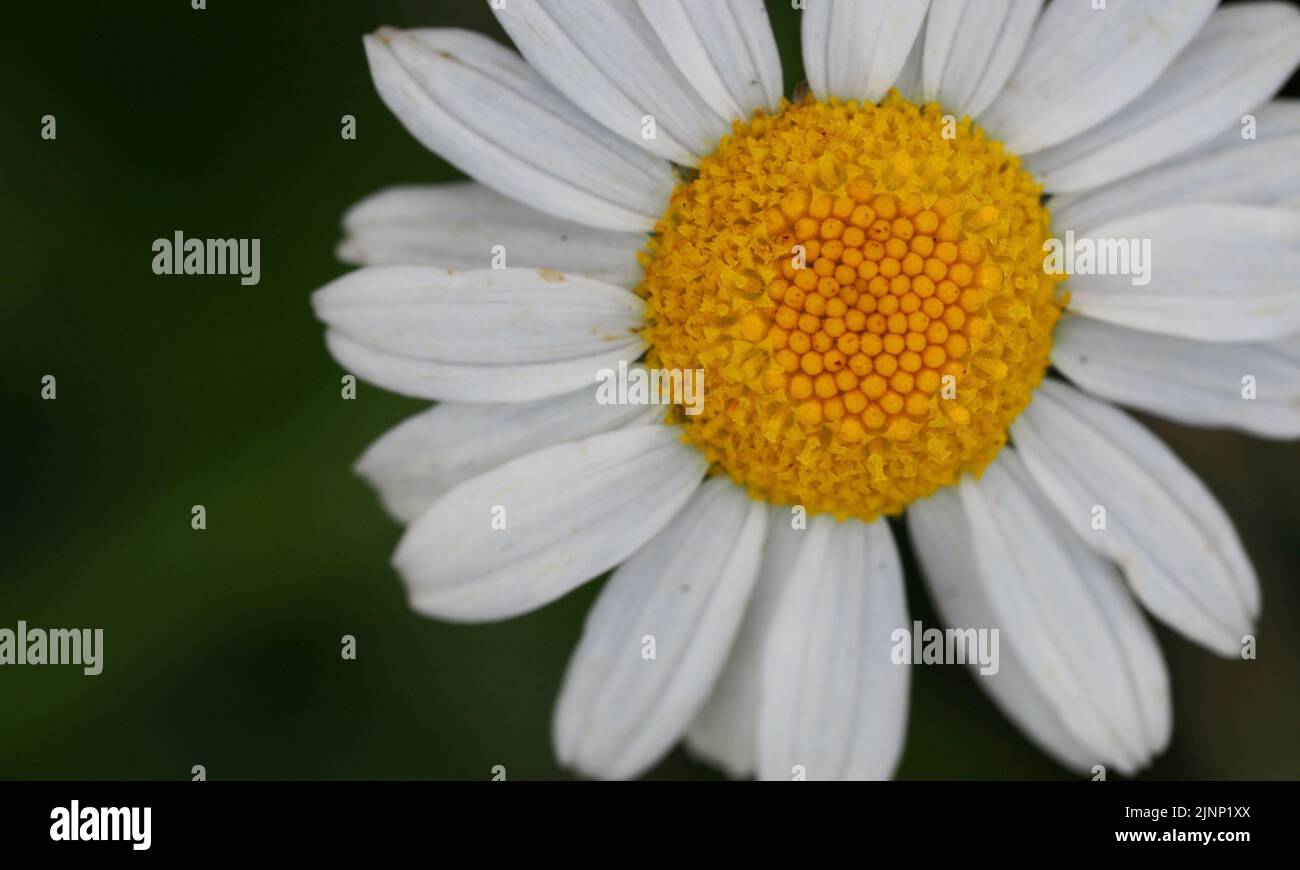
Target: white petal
(482, 108)
(856, 51)
(571, 512)
(685, 591)
(725, 48)
(478, 335)
(971, 46)
(1066, 611)
(422, 457)
(909, 82)
(1084, 65)
(606, 58)
(941, 535)
(1229, 169)
(479, 315)
(725, 732)
(1244, 289)
(1175, 544)
(459, 225)
(1236, 63)
(428, 379)
(1183, 379)
(833, 704)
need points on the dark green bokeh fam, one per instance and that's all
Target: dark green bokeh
(222, 646)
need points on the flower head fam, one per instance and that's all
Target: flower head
(871, 280)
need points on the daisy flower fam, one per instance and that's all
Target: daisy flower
(859, 271)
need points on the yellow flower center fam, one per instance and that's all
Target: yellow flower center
(863, 287)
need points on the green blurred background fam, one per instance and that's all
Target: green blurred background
(222, 646)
